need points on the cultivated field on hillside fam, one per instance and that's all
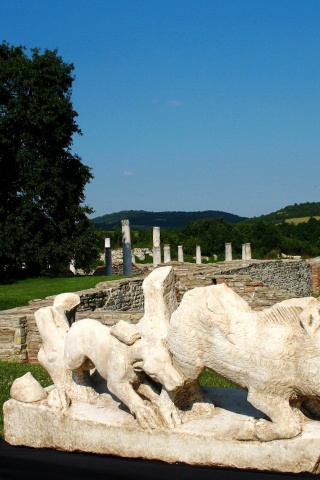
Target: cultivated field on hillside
(300, 219)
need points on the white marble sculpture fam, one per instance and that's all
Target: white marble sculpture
(127, 361)
(274, 354)
(114, 386)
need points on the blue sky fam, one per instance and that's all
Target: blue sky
(188, 104)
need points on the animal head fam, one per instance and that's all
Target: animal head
(157, 363)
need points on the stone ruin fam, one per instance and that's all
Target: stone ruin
(133, 391)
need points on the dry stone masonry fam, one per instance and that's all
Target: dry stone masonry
(290, 275)
(13, 339)
(260, 283)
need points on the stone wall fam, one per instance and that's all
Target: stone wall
(315, 274)
(261, 284)
(124, 295)
(293, 276)
(297, 277)
(258, 294)
(13, 343)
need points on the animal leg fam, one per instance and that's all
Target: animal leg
(284, 423)
(167, 410)
(163, 403)
(145, 415)
(148, 391)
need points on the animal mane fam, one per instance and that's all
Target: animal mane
(281, 315)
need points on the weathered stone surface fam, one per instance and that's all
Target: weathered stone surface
(106, 429)
(160, 302)
(27, 389)
(153, 369)
(273, 354)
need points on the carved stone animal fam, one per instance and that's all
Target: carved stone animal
(124, 358)
(274, 354)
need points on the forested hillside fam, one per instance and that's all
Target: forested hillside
(268, 240)
(269, 235)
(140, 219)
(308, 209)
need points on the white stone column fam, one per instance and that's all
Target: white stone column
(228, 252)
(180, 253)
(156, 246)
(108, 256)
(166, 253)
(198, 254)
(248, 251)
(72, 266)
(126, 247)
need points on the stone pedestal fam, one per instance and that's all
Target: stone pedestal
(198, 255)
(108, 256)
(208, 440)
(228, 252)
(166, 253)
(156, 246)
(126, 248)
(180, 253)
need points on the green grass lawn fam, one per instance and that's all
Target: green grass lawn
(10, 371)
(17, 293)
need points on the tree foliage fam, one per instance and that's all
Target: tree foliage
(43, 223)
(140, 219)
(298, 210)
(268, 240)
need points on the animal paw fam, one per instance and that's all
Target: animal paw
(268, 431)
(147, 417)
(170, 417)
(168, 412)
(58, 400)
(262, 430)
(247, 431)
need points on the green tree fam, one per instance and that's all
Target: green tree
(43, 223)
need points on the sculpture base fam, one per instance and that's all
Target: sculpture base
(106, 428)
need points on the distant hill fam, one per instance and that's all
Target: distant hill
(140, 219)
(298, 211)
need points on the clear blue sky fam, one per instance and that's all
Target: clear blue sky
(188, 104)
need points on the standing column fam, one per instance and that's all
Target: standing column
(243, 251)
(156, 246)
(108, 256)
(166, 253)
(126, 247)
(180, 253)
(72, 266)
(228, 250)
(248, 251)
(198, 254)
